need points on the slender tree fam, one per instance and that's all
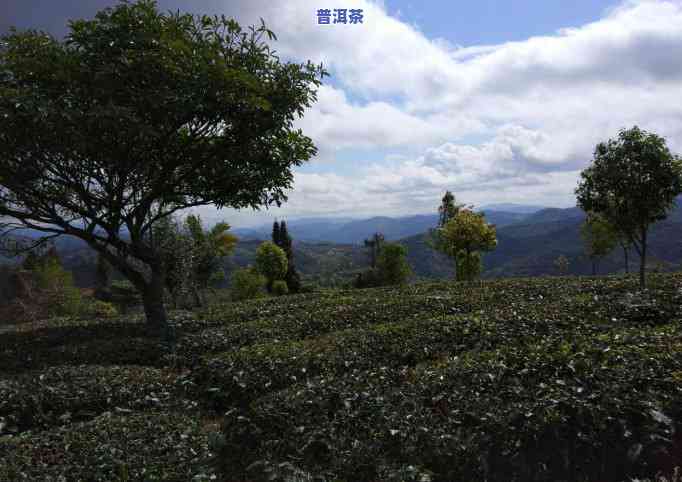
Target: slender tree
(448, 209)
(276, 234)
(632, 182)
(285, 242)
(561, 263)
(374, 244)
(600, 238)
(625, 245)
(137, 115)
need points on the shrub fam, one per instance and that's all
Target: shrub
(271, 262)
(370, 278)
(246, 284)
(280, 288)
(55, 284)
(392, 264)
(101, 309)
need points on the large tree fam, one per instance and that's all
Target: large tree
(632, 182)
(139, 114)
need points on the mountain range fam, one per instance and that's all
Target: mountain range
(530, 238)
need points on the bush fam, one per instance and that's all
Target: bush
(392, 264)
(101, 309)
(55, 286)
(370, 278)
(271, 262)
(246, 284)
(280, 288)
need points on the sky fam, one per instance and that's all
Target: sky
(497, 101)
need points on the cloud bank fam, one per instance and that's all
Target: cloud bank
(493, 123)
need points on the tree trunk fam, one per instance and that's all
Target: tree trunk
(154, 308)
(198, 299)
(642, 265)
(625, 255)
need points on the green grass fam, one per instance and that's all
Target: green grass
(515, 379)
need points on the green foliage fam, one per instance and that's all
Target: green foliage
(504, 380)
(126, 122)
(56, 284)
(191, 255)
(246, 284)
(374, 244)
(100, 309)
(448, 209)
(280, 236)
(418, 393)
(209, 248)
(271, 262)
(600, 238)
(462, 237)
(632, 182)
(468, 265)
(280, 288)
(392, 264)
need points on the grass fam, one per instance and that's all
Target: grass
(515, 379)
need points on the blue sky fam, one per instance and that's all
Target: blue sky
(496, 101)
(484, 22)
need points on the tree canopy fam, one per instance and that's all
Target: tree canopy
(271, 262)
(600, 238)
(137, 115)
(463, 237)
(632, 182)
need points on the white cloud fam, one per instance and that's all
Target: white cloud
(535, 108)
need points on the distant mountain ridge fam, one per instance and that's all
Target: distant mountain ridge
(355, 231)
(330, 250)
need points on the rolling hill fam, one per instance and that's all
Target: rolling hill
(528, 245)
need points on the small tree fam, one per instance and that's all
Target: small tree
(392, 264)
(632, 182)
(139, 114)
(271, 262)
(448, 209)
(463, 238)
(209, 248)
(281, 237)
(374, 244)
(280, 288)
(246, 284)
(561, 264)
(600, 238)
(625, 246)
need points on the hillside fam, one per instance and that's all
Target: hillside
(434, 381)
(343, 231)
(528, 245)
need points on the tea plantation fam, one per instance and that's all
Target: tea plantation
(545, 379)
